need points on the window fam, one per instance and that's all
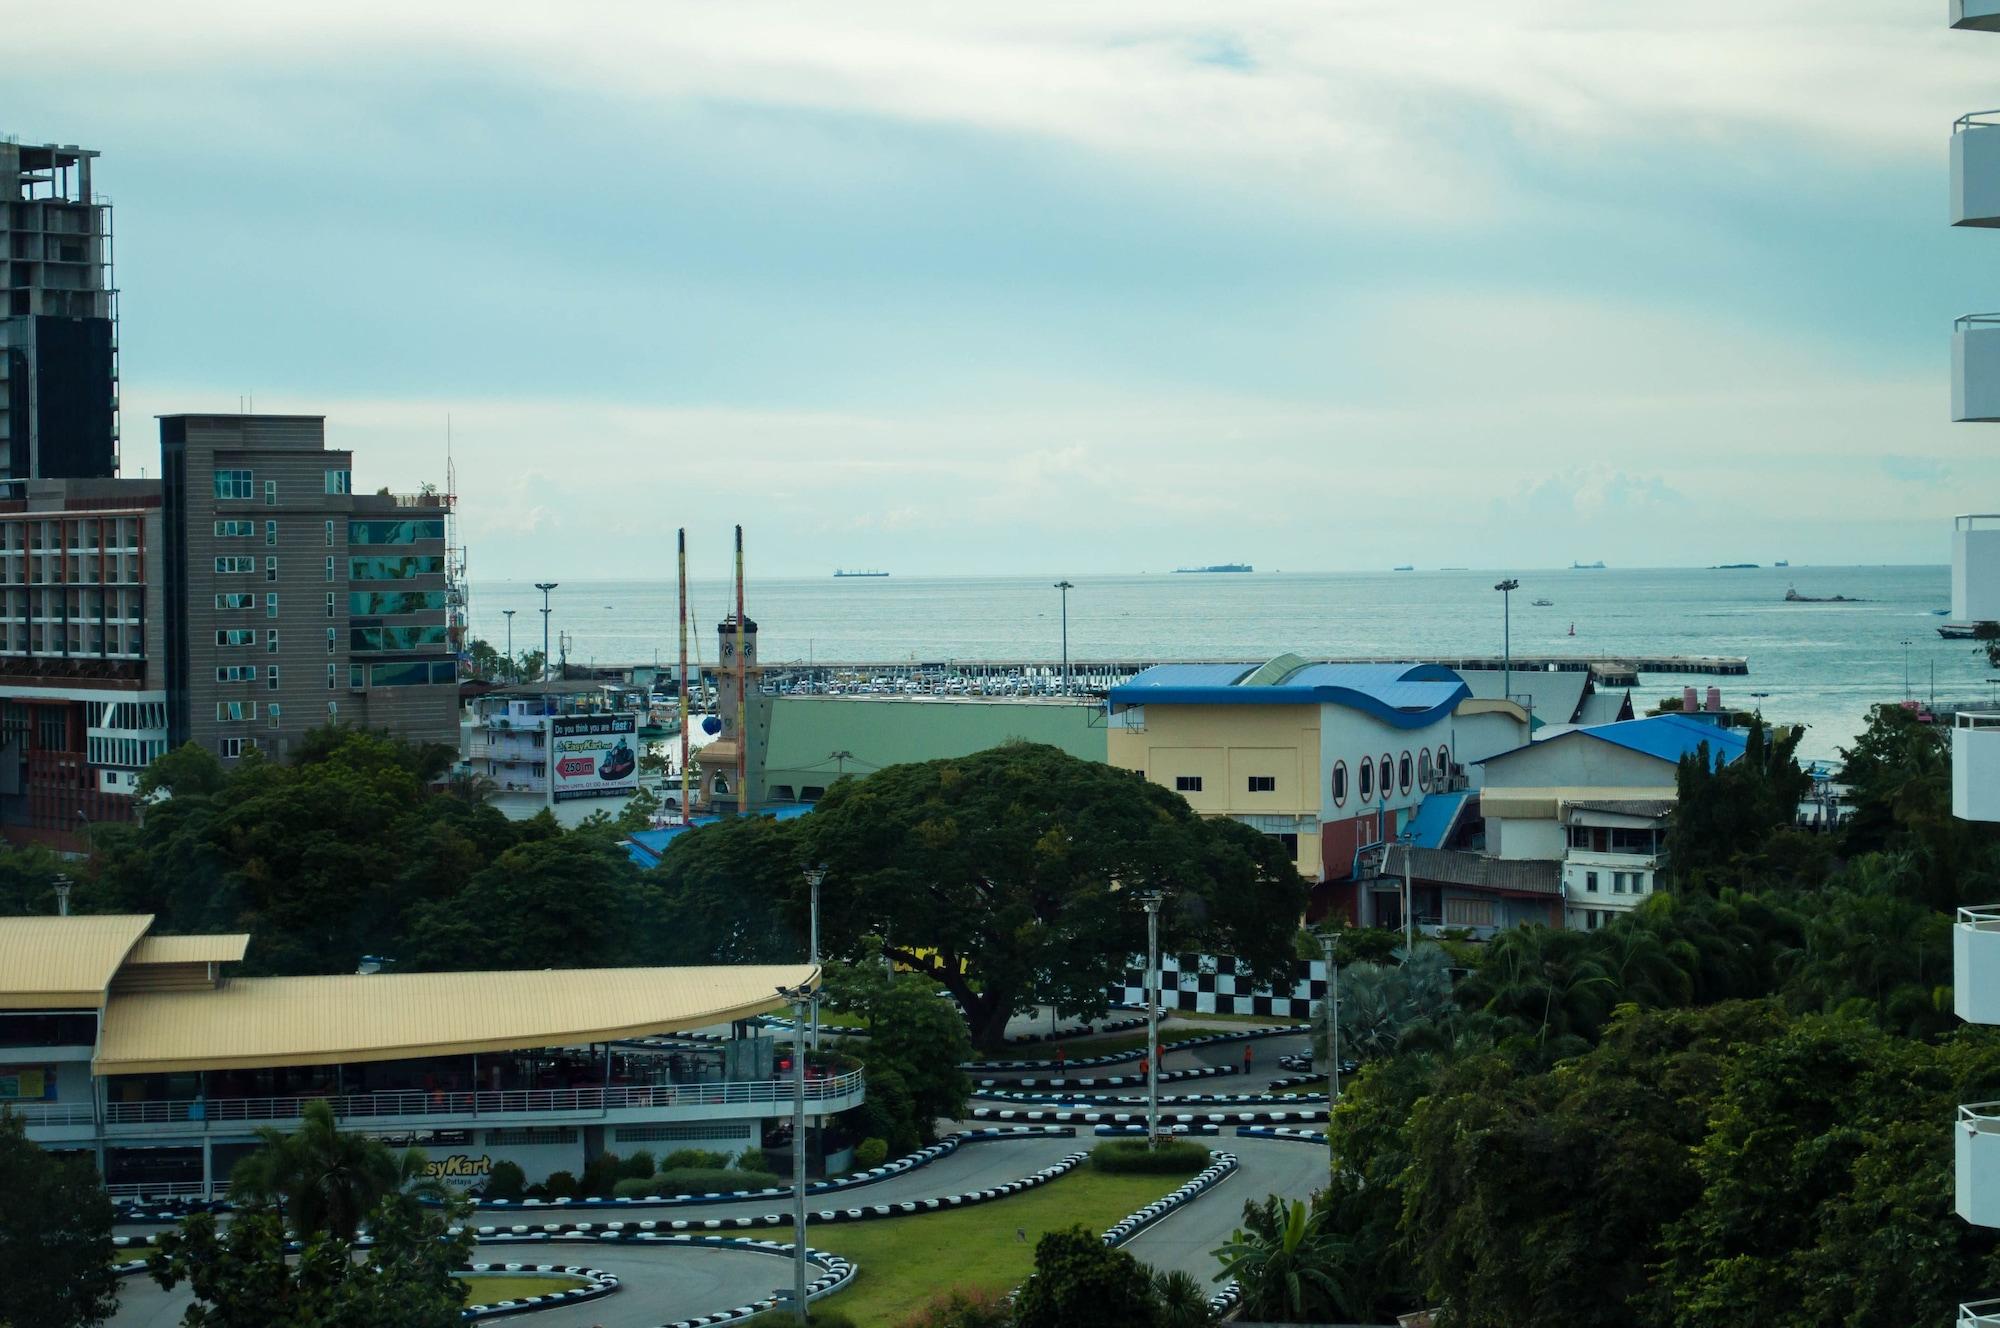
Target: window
(271, 534)
(234, 484)
(270, 493)
(1444, 765)
(394, 532)
(1459, 912)
(235, 636)
(1617, 883)
(247, 600)
(411, 673)
(329, 569)
(1424, 770)
(232, 564)
(1641, 883)
(271, 569)
(1386, 773)
(356, 676)
(339, 481)
(1291, 842)
(329, 535)
(383, 603)
(329, 640)
(1187, 783)
(235, 529)
(1339, 783)
(397, 638)
(1367, 779)
(271, 605)
(1263, 783)
(329, 606)
(394, 569)
(1590, 882)
(273, 676)
(236, 673)
(271, 714)
(235, 747)
(271, 641)
(330, 675)
(1405, 772)
(1593, 918)
(227, 711)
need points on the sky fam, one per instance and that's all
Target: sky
(980, 288)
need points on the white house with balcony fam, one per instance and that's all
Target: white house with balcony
(143, 1051)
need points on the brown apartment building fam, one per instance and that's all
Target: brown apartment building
(292, 599)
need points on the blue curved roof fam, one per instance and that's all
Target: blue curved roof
(1670, 737)
(1406, 696)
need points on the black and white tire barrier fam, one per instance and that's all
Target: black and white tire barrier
(596, 1283)
(1282, 1132)
(1109, 1081)
(1061, 1116)
(1139, 1131)
(1199, 1184)
(1120, 1057)
(1176, 1101)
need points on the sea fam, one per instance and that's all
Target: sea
(1823, 665)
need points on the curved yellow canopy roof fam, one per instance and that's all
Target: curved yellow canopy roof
(249, 1023)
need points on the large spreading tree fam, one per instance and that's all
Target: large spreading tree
(55, 1236)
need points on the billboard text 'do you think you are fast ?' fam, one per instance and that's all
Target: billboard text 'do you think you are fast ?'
(595, 756)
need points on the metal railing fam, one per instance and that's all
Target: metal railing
(365, 1106)
(1984, 917)
(1966, 322)
(175, 1189)
(1981, 1116)
(1976, 719)
(53, 1113)
(1979, 1314)
(1976, 120)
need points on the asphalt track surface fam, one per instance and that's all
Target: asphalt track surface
(664, 1283)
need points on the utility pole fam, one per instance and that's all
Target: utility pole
(1065, 587)
(545, 587)
(798, 996)
(1507, 589)
(1906, 667)
(512, 675)
(814, 875)
(62, 885)
(1408, 837)
(1333, 1016)
(1152, 902)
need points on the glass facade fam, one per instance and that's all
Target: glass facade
(395, 532)
(406, 673)
(383, 603)
(394, 638)
(234, 484)
(394, 569)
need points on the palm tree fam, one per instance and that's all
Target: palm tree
(1287, 1265)
(1183, 1300)
(321, 1179)
(1552, 981)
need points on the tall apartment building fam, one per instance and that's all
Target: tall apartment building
(58, 317)
(293, 600)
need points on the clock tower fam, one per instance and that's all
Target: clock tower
(718, 761)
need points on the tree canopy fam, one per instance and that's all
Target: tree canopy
(55, 1236)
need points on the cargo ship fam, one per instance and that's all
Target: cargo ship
(1218, 567)
(844, 572)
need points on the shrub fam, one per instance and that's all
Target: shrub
(639, 1166)
(870, 1153)
(506, 1180)
(560, 1185)
(682, 1159)
(963, 1308)
(753, 1159)
(707, 1180)
(637, 1187)
(1079, 1280)
(1131, 1157)
(821, 1318)
(1183, 1300)
(600, 1174)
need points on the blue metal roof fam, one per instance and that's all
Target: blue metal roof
(1406, 696)
(647, 847)
(1435, 817)
(1670, 737)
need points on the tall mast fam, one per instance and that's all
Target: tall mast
(742, 694)
(686, 811)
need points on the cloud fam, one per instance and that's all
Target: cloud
(1928, 471)
(1596, 492)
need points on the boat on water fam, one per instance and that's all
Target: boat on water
(1792, 596)
(1217, 567)
(1782, 562)
(1734, 567)
(844, 572)
(1404, 568)
(1597, 566)
(1940, 613)
(1543, 603)
(1959, 631)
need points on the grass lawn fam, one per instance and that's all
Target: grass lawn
(482, 1289)
(904, 1261)
(1318, 1087)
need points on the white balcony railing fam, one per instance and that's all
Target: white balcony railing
(53, 1113)
(1975, 765)
(1975, 169)
(1975, 965)
(567, 1101)
(1976, 1164)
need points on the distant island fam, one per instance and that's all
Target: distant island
(844, 572)
(1587, 567)
(1217, 567)
(1733, 567)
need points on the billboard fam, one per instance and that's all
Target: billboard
(594, 756)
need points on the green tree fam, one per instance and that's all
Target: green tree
(320, 1177)
(1289, 1267)
(1381, 1003)
(911, 1032)
(1724, 812)
(55, 1236)
(1080, 1282)
(1183, 1300)
(1554, 983)
(1012, 877)
(570, 902)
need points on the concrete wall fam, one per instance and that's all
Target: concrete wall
(1975, 573)
(883, 731)
(1536, 840)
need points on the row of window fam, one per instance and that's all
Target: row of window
(397, 638)
(125, 714)
(388, 603)
(1420, 772)
(1622, 883)
(395, 532)
(237, 712)
(394, 569)
(132, 753)
(1192, 783)
(235, 485)
(407, 673)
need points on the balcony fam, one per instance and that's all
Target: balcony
(1975, 368)
(1976, 15)
(1977, 1164)
(1975, 964)
(1975, 765)
(1975, 169)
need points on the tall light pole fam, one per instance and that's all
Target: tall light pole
(1409, 838)
(1906, 643)
(798, 997)
(62, 886)
(510, 644)
(1065, 587)
(814, 875)
(545, 587)
(1151, 900)
(1333, 1015)
(1507, 589)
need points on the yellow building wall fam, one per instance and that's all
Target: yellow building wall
(1225, 746)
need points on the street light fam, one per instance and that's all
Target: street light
(814, 875)
(62, 885)
(1333, 1014)
(1409, 840)
(510, 644)
(1065, 587)
(798, 996)
(1507, 589)
(1906, 644)
(545, 587)
(1151, 900)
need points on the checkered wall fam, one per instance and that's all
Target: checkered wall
(1208, 984)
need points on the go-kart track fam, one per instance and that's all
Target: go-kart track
(666, 1284)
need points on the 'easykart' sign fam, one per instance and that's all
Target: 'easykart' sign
(594, 756)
